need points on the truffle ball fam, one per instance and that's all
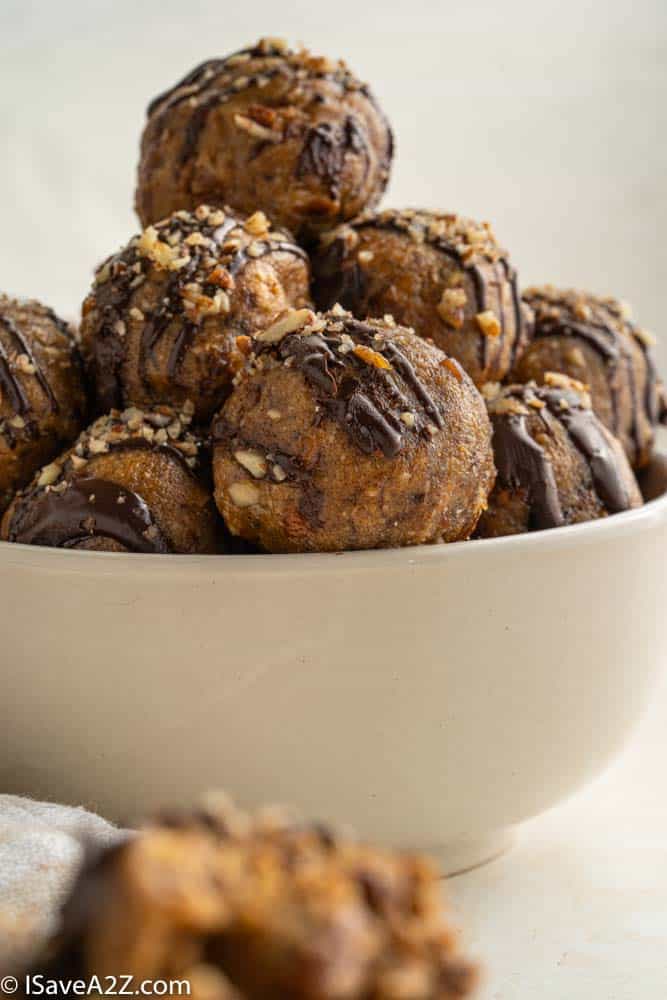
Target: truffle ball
(163, 320)
(133, 482)
(444, 275)
(295, 134)
(42, 396)
(343, 434)
(652, 478)
(252, 908)
(557, 462)
(594, 340)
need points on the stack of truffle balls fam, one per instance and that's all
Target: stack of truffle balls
(275, 365)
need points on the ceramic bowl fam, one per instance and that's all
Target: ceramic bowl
(431, 697)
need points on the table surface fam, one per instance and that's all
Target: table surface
(578, 909)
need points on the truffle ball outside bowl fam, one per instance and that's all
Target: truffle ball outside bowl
(432, 697)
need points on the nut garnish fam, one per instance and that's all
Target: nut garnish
(508, 404)
(244, 494)
(257, 224)
(290, 322)
(254, 129)
(454, 367)
(451, 307)
(488, 323)
(252, 462)
(559, 381)
(371, 357)
(49, 474)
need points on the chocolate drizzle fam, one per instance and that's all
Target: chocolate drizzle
(113, 296)
(523, 463)
(368, 401)
(219, 81)
(11, 383)
(586, 432)
(87, 508)
(485, 265)
(608, 332)
(325, 148)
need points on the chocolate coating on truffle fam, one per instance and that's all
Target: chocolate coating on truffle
(246, 908)
(133, 482)
(162, 320)
(343, 434)
(444, 275)
(557, 463)
(42, 395)
(594, 340)
(295, 134)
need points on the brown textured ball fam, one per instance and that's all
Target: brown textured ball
(557, 462)
(42, 395)
(163, 320)
(594, 340)
(349, 435)
(260, 908)
(295, 134)
(444, 275)
(133, 482)
(652, 478)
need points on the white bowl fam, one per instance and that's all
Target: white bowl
(432, 697)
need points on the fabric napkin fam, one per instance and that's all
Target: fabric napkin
(41, 848)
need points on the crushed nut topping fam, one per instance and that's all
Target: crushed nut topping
(288, 323)
(252, 462)
(371, 357)
(244, 494)
(451, 307)
(488, 323)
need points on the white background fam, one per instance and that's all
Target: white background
(545, 117)
(548, 119)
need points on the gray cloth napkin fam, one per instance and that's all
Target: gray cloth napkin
(41, 847)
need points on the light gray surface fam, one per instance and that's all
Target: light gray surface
(544, 117)
(578, 910)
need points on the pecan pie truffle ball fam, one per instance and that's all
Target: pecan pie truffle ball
(595, 341)
(343, 434)
(245, 908)
(444, 275)
(42, 396)
(652, 478)
(133, 482)
(557, 462)
(295, 134)
(163, 320)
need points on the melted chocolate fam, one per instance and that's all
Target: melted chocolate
(366, 401)
(524, 464)
(611, 345)
(87, 508)
(325, 145)
(325, 148)
(114, 295)
(10, 381)
(587, 434)
(347, 285)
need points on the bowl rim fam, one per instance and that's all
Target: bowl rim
(645, 518)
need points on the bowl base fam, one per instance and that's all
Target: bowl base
(458, 856)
